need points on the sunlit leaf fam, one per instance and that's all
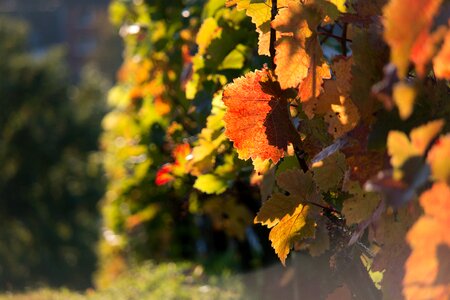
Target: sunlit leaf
(257, 118)
(427, 275)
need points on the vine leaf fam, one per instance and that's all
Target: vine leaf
(286, 231)
(329, 172)
(289, 216)
(406, 29)
(321, 241)
(427, 275)
(210, 140)
(291, 58)
(440, 61)
(389, 233)
(168, 172)
(228, 215)
(361, 205)
(207, 32)
(257, 119)
(439, 159)
(260, 13)
(300, 186)
(311, 86)
(363, 163)
(210, 184)
(404, 95)
(400, 148)
(334, 103)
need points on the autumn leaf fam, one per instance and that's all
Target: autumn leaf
(441, 62)
(291, 58)
(168, 172)
(406, 28)
(369, 54)
(163, 175)
(401, 148)
(427, 275)
(228, 215)
(321, 241)
(285, 233)
(334, 103)
(425, 48)
(389, 233)
(207, 32)
(439, 159)
(288, 215)
(404, 96)
(329, 172)
(311, 86)
(300, 186)
(361, 205)
(260, 14)
(257, 119)
(362, 163)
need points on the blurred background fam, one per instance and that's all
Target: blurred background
(58, 58)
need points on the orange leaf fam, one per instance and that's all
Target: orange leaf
(439, 159)
(164, 175)
(291, 57)
(407, 23)
(311, 86)
(257, 119)
(427, 275)
(441, 62)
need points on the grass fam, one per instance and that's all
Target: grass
(150, 281)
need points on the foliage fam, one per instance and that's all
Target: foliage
(324, 119)
(50, 181)
(150, 281)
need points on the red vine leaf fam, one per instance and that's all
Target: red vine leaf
(257, 119)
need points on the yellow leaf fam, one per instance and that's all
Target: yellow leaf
(361, 205)
(207, 32)
(404, 96)
(286, 231)
(439, 159)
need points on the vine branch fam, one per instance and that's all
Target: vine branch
(273, 33)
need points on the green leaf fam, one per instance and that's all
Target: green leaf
(211, 184)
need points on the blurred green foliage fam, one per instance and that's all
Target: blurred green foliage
(165, 106)
(150, 281)
(50, 179)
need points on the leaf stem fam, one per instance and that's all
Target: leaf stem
(300, 154)
(273, 34)
(339, 38)
(344, 39)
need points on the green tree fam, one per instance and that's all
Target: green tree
(49, 183)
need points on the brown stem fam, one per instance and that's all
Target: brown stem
(273, 34)
(339, 38)
(344, 40)
(300, 154)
